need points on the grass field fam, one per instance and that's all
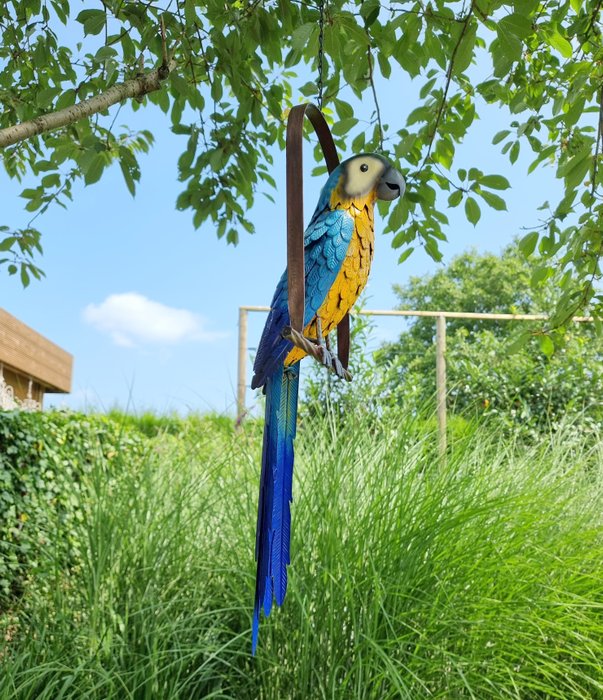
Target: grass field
(410, 578)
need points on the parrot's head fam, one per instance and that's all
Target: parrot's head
(370, 174)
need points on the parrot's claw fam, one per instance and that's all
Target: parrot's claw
(331, 361)
(318, 350)
(340, 370)
(327, 356)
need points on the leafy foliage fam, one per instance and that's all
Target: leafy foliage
(528, 390)
(529, 387)
(237, 67)
(46, 460)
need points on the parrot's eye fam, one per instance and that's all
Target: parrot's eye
(364, 167)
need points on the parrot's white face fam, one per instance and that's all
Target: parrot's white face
(364, 173)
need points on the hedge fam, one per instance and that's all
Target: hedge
(46, 461)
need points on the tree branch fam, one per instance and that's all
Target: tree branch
(137, 87)
(593, 186)
(593, 18)
(449, 72)
(369, 56)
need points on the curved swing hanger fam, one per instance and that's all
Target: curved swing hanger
(295, 216)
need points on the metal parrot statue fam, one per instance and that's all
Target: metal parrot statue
(338, 250)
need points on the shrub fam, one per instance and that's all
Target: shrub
(45, 462)
(528, 391)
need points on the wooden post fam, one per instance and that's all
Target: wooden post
(441, 382)
(242, 367)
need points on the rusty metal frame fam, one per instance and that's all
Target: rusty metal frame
(295, 219)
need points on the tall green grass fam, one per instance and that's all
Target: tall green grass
(480, 577)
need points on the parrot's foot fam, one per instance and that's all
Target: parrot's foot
(318, 350)
(329, 359)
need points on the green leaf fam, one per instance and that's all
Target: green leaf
(518, 343)
(216, 90)
(30, 193)
(301, 36)
(24, 275)
(45, 97)
(466, 50)
(369, 11)
(547, 152)
(198, 218)
(515, 25)
(7, 243)
(500, 136)
(560, 43)
(575, 169)
(546, 345)
(405, 255)
(527, 244)
(384, 64)
(398, 216)
(432, 249)
(342, 127)
(352, 33)
(426, 89)
(455, 198)
(344, 109)
(309, 89)
(186, 158)
(93, 21)
(539, 274)
(504, 53)
(493, 200)
(443, 153)
(495, 182)
(472, 210)
(130, 184)
(66, 99)
(104, 53)
(51, 180)
(94, 169)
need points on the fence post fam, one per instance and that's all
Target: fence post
(441, 381)
(242, 365)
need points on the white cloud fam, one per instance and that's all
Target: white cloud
(132, 319)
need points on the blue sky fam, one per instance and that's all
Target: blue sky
(149, 307)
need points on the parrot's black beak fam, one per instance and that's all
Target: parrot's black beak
(391, 185)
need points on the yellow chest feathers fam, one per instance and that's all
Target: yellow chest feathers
(352, 276)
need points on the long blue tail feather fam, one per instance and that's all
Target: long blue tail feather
(274, 514)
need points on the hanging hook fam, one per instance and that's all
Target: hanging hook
(295, 217)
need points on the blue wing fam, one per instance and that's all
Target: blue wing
(326, 243)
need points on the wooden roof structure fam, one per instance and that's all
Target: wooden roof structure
(29, 354)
